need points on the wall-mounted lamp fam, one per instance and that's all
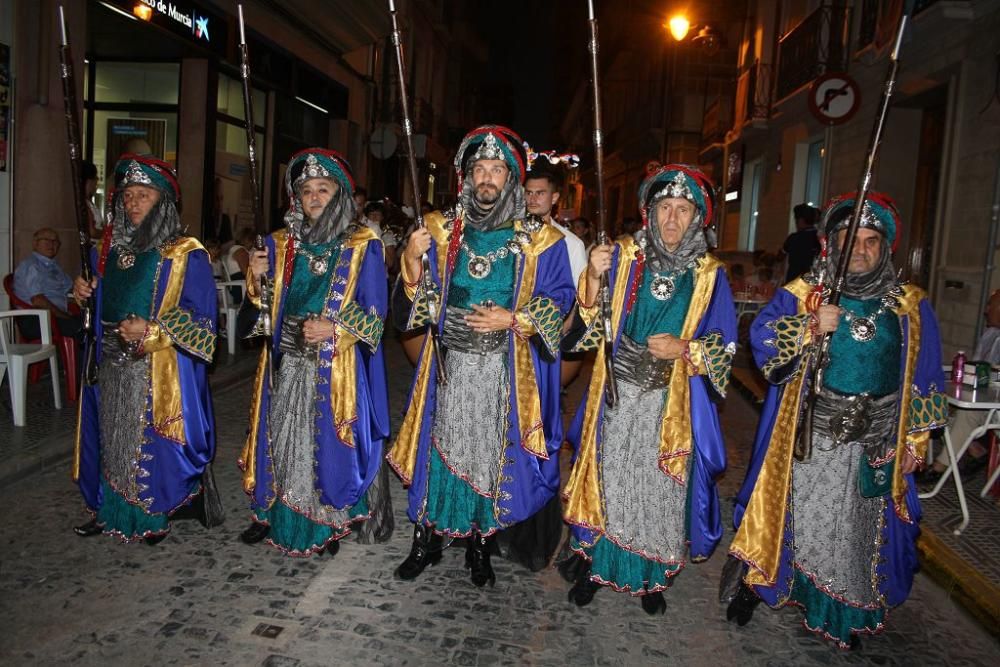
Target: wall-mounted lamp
(707, 37)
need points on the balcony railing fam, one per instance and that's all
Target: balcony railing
(814, 47)
(753, 94)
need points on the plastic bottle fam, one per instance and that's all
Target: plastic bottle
(958, 367)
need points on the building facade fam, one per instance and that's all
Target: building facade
(940, 154)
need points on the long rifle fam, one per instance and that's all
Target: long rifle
(430, 291)
(79, 197)
(819, 352)
(262, 327)
(611, 384)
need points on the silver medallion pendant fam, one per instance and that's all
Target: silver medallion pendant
(126, 259)
(318, 265)
(532, 223)
(479, 267)
(863, 329)
(662, 288)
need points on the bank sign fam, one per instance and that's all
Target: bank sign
(185, 19)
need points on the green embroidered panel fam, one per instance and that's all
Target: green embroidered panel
(187, 333)
(591, 339)
(548, 320)
(789, 331)
(718, 359)
(364, 326)
(928, 412)
(420, 314)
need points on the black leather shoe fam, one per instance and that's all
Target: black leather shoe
(573, 567)
(426, 550)
(654, 603)
(89, 529)
(855, 643)
(482, 571)
(255, 533)
(742, 607)
(583, 590)
(153, 540)
(332, 548)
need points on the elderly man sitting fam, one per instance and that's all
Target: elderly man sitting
(40, 281)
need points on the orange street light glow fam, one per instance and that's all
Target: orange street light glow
(143, 11)
(679, 26)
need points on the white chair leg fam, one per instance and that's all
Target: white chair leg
(231, 335)
(18, 388)
(54, 371)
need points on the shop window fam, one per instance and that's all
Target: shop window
(229, 100)
(137, 83)
(118, 131)
(814, 174)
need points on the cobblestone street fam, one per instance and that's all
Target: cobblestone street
(204, 598)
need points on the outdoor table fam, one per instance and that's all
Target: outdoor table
(986, 399)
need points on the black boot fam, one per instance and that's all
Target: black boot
(331, 548)
(855, 643)
(654, 603)
(585, 588)
(89, 529)
(482, 571)
(255, 533)
(742, 606)
(426, 550)
(153, 540)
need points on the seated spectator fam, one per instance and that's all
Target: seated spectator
(40, 281)
(214, 250)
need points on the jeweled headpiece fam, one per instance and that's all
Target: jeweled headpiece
(491, 142)
(678, 180)
(317, 163)
(133, 169)
(879, 213)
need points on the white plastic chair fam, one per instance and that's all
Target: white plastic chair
(18, 356)
(230, 309)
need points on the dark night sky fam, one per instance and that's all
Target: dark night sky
(529, 42)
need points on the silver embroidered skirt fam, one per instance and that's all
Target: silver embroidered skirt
(836, 528)
(293, 440)
(124, 385)
(644, 508)
(470, 422)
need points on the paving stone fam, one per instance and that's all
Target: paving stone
(196, 597)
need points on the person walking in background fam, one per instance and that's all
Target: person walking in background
(802, 246)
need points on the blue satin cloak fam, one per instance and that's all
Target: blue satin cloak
(343, 472)
(174, 469)
(704, 518)
(898, 552)
(527, 481)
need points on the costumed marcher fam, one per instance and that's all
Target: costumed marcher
(145, 434)
(320, 408)
(534, 542)
(479, 453)
(834, 532)
(641, 497)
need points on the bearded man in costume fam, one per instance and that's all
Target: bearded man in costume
(319, 413)
(835, 533)
(145, 432)
(479, 453)
(641, 497)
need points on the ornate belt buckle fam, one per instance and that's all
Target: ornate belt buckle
(853, 420)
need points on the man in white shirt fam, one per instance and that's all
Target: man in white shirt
(541, 194)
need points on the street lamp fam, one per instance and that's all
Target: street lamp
(678, 26)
